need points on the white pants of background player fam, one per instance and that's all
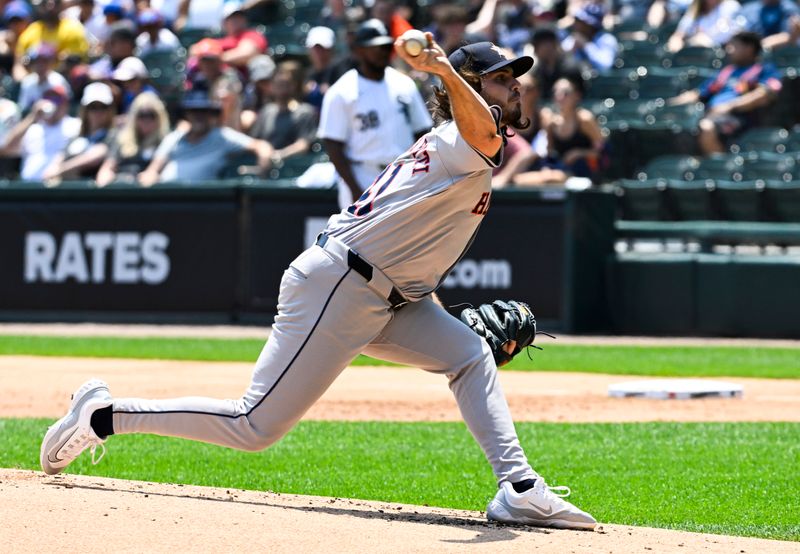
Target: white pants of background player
(327, 315)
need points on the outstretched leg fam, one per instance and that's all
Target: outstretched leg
(327, 315)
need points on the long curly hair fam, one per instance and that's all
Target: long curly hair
(440, 103)
(130, 143)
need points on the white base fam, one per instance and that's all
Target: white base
(675, 389)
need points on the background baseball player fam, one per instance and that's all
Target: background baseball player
(366, 286)
(371, 115)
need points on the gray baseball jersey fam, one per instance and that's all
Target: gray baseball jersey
(419, 215)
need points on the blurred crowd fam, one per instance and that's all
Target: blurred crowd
(149, 91)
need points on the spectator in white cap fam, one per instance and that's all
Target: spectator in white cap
(320, 42)
(240, 43)
(131, 75)
(153, 35)
(83, 154)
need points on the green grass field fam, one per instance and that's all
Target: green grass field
(694, 361)
(731, 478)
(728, 478)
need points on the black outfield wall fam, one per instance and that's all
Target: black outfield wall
(217, 253)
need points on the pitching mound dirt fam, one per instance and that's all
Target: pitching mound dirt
(40, 387)
(90, 514)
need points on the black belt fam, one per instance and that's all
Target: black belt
(365, 269)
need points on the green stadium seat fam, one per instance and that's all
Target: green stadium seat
(620, 165)
(615, 113)
(285, 38)
(696, 76)
(293, 167)
(616, 84)
(788, 56)
(767, 139)
(697, 56)
(739, 200)
(235, 162)
(627, 27)
(768, 167)
(661, 34)
(689, 200)
(190, 36)
(641, 200)
(782, 201)
(9, 88)
(167, 69)
(723, 167)
(673, 166)
(307, 11)
(685, 117)
(635, 54)
(659, 85)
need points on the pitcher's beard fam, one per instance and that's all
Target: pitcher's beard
(512, 114)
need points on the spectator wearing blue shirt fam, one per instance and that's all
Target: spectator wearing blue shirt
(588, 43)
(768, 17)
(734, 95)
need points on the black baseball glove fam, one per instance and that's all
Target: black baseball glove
(501, 322)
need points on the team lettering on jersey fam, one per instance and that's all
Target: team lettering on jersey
(422, 160)
(483, 204)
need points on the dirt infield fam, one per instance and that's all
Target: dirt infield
(40, 387)
(93, 514)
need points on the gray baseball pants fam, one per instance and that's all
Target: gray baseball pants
(327, 315)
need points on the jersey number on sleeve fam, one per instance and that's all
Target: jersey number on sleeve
(364, 204)
(422, 163)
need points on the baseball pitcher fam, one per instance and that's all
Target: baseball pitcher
(367, 285)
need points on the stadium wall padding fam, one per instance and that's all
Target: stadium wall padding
(216, 253)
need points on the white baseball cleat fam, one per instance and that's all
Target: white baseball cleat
(539, 506)
(73, 433)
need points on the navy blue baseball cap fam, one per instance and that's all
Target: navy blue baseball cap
(372, 32)
(485, 57)
(199, 99)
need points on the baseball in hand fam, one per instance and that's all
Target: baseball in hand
(414, 42)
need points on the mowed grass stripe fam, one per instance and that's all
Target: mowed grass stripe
(729, 478)
(689, 361)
